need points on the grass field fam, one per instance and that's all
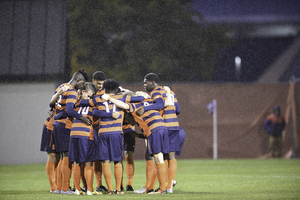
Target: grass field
(196, 179)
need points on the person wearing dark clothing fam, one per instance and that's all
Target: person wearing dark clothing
(275, 124)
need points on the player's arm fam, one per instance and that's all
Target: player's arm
(61, 115)
(118, 103)
(71, 112)
(158, 104)
(57, 94)
(104, 114)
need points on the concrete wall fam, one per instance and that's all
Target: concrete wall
(23, 110)
(241, 112)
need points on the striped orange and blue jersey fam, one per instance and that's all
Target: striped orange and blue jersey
(110, 125)
(60, 108)
(169, 113)
(79, 128)
(49, 123)
(65, 100)
(150, 121)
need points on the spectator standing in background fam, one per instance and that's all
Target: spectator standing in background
(275, 124)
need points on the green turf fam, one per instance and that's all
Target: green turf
(197, 179)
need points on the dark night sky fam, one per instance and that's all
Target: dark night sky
(248, 10)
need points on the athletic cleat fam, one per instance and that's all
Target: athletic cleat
(93, 193)
(101, 189)
(140, 191)
(159, 192)
(118, 192)
(110, 192)
(84, 189)
(67, 192)
(55, 191)
(174, 183)
(149, 191)
(129, 188)
(122, 188)
(169, 190)
(77, 192)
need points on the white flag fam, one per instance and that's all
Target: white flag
(211, 107)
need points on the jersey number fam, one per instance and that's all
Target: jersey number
(58, 101)
(84, 110)
(107, 107)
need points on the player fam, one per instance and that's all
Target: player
(154, 129)
(82, 145)
(98, 79)
(48, 144)
(110, 136)
(128, 143)
(169, 114)
(62, 124)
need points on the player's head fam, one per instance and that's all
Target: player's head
(80, 77)
(150, 82)
(276, 110)
(98, 79)
(111, 86)
(88, 90)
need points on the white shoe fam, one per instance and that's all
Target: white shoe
(169, 190)
(174, 183)
(55, 191)
(93, 193)
(67, 192)
(140, 191)
(77, 192)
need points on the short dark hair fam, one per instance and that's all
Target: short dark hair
(99, 76)
(79, 73)
(89, 86)
(111, 86)
(152, 77)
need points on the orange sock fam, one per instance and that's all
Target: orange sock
(129, 169)
(89, 177)
(161, 174)
(51, 174)
(66, 173)
(118, 175)
(149, 171)
(107, 176)
(172, 172)
(167, 169)
(98, 172)
(59, 175)
(82, 177)
(76, 177)
(153, 178)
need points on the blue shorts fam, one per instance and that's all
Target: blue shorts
(182, 139)
(61, 136)
(110, 147)
(47, 141)
(174, 140)
(158, 142)
(82, 150)
(129, 141)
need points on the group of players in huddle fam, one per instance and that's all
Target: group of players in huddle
(92, 124)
